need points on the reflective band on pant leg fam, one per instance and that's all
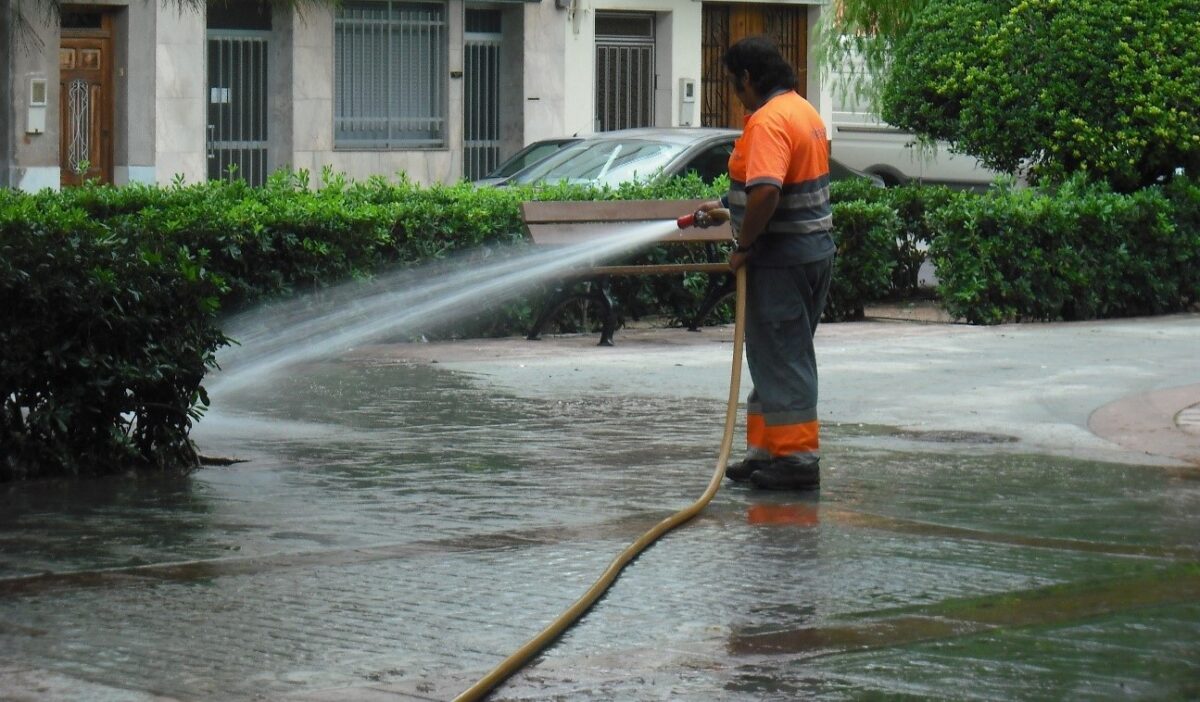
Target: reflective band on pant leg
(756, 443)
(756, 437)
(788, 439)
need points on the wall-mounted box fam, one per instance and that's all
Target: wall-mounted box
(35, 120)
(687, 102)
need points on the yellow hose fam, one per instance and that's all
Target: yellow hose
(553, 630)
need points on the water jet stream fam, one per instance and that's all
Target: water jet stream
(317, 326)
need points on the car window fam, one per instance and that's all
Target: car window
(603, 162)
(711, 163)
(529, 155)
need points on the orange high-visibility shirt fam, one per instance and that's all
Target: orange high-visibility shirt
(784, 145)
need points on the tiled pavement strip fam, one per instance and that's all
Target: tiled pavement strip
(400, 527)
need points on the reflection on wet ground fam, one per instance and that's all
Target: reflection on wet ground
(403, 528)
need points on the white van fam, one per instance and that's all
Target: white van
(863, 142)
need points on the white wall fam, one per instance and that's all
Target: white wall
(560, 47)
(818, 91)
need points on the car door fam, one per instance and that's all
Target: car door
(710, 162)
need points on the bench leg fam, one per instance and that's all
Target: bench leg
(608, 307)
(717, 291)
(599, 291)
(562, 295)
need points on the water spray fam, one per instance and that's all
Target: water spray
(376, 311)
(521, 656)
(359, 313)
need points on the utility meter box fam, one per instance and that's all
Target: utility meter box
(687, 102)
(35, 120)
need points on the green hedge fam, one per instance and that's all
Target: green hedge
(866, 234)
(1081, 252)
(106, 334)
(115, 293)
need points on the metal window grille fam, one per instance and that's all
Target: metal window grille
(389, 72)
(237, 105)
(788, 26)
(79, 125)
(624, 71)
(481, 71)
(714, 88)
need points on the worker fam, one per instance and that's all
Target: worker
(778, 201)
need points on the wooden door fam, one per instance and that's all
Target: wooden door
(85, 101)
(726, 24)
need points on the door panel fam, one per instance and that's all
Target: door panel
(723, 25)
(482, 47)
(625, 70)
(237, 105)
(85, 109)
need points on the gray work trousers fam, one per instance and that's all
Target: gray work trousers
(783, 307)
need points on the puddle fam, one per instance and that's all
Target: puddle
(399, 518)
(955, 437)
(1051, 606)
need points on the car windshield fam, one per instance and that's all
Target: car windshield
(525, 157)
(603, 162)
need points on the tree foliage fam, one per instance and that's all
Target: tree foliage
(1106, 88)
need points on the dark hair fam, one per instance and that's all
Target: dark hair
(769, 70)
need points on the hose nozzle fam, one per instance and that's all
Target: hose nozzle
(699, 218)
(704, 218)
(687, 221)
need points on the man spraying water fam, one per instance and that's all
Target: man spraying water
(779, 204)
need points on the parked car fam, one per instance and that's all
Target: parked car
(898, 158)
(646, 154)
(525, 158)
(864, 142)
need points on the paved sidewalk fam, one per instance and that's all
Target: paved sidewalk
(1006, 513)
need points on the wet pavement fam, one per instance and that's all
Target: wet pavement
(1006, 513)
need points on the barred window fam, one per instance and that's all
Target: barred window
(389, 74)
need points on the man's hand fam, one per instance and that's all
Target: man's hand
(715, 212)
(737, 259)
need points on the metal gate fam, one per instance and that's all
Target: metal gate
(624, 70)
(722, 26)
(237, 105)
(481, 71)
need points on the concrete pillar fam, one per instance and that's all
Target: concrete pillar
(512, 82)
(135, 152)
(281, 77)
(180, 83)
(545, 77)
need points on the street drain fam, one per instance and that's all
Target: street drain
(956, 437)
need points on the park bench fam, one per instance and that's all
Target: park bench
(566, 223)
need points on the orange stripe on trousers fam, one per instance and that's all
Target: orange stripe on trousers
(787, 439)
(756, 431)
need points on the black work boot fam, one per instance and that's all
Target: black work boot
(741, 472)
(789, 473)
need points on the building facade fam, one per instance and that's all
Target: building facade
(128, 91)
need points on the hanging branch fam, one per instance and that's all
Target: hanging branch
(856, 38)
